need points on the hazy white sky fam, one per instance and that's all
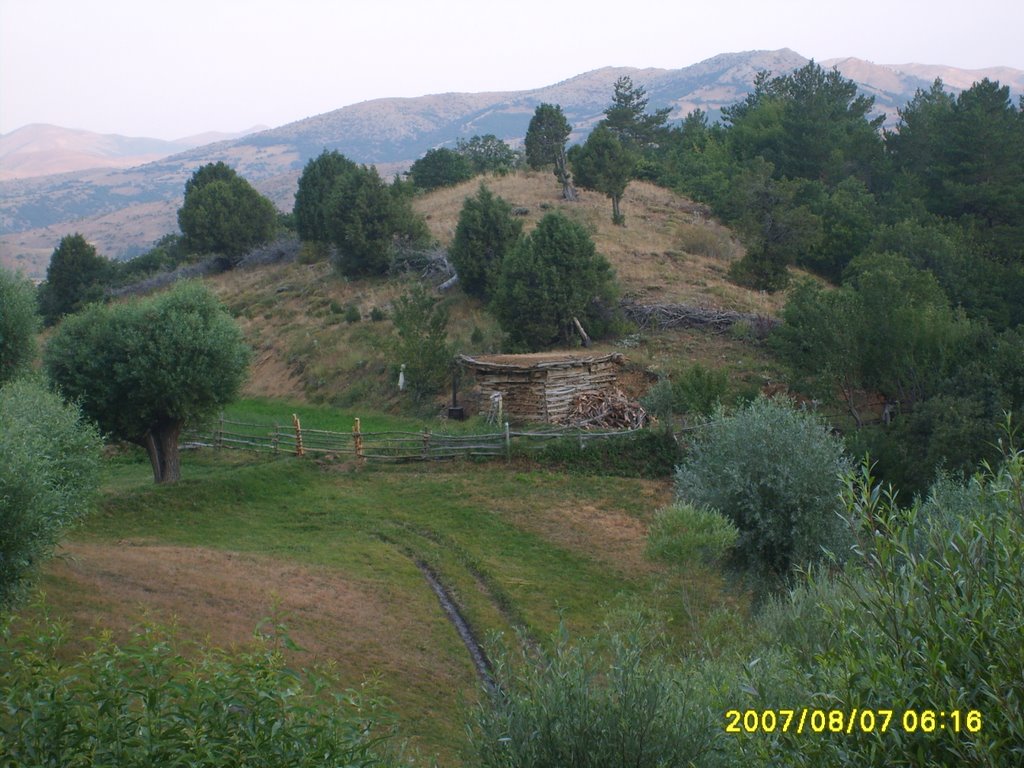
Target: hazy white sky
(172, 68)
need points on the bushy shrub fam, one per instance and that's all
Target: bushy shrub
(551, 276)
(421, 321)
(607, 702)
(775, 472)
(49, 471)
(143, 703)
(927, 621)
(18, 324)
(699, 390)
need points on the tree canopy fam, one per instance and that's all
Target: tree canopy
(441, 167)
(486, 231)
(552, 276)
(627, 116)
(18, 324)
(319, 176)
(605, 164)
(223, 213)
(545, 142)
(75, 276)
(144, 370)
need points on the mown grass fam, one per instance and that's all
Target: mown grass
(518, 545)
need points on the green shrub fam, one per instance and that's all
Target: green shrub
(352, 314)
(775, 472)
(607, 702)
(143, 703)
(927, 620)
(49, 471)
(18, 324)
(646, 453)
(699, 390)
(422, 324)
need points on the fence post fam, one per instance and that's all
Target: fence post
(298, 435)
(219, 442)
(357, 441)
(275, 441)
(508, 443)
(426, 443)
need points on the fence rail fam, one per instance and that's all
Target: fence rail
(293, 438)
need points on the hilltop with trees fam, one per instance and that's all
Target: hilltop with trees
(825, 316)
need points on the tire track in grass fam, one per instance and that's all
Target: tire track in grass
(449, 605)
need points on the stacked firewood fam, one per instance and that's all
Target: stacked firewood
(686, 316)
(605, 409)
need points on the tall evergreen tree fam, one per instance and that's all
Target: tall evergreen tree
(545, 142)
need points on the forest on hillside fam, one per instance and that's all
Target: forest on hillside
(843, 592)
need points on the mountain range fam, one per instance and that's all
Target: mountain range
(125, 206)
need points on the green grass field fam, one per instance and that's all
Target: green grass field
(330, 550)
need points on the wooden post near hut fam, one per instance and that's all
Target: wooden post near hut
(357, 441)
(508, 443)
(298, 435)
(426, 443)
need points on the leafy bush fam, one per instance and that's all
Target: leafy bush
(775, 472)
(18, 324)
(608, 702)
(422, 324)
(143, 703)
(926, 620)
(49, 471)
(699, 390)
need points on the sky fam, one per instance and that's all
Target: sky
(174, 68)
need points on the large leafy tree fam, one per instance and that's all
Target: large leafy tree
(223, 213)
(76, 276)
(545, 142)
(49, 471)
(18, 324)
(485, 233)
(552, 276)
(145, 370)
(605, 163)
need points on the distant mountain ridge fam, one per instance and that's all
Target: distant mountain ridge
(42, 150)
(124, 210)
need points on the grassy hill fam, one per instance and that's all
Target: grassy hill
(331, 550)
(670, 252)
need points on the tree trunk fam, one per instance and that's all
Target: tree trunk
(565, 177)
(161, 442)
(617, 218)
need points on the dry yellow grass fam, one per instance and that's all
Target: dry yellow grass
(670, 251)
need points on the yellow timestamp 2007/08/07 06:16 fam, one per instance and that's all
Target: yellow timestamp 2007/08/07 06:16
(807, 720)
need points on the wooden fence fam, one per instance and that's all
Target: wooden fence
(292, 438)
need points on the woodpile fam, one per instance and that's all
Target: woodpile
(686, 316)
(605, 409)
(542, 387)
